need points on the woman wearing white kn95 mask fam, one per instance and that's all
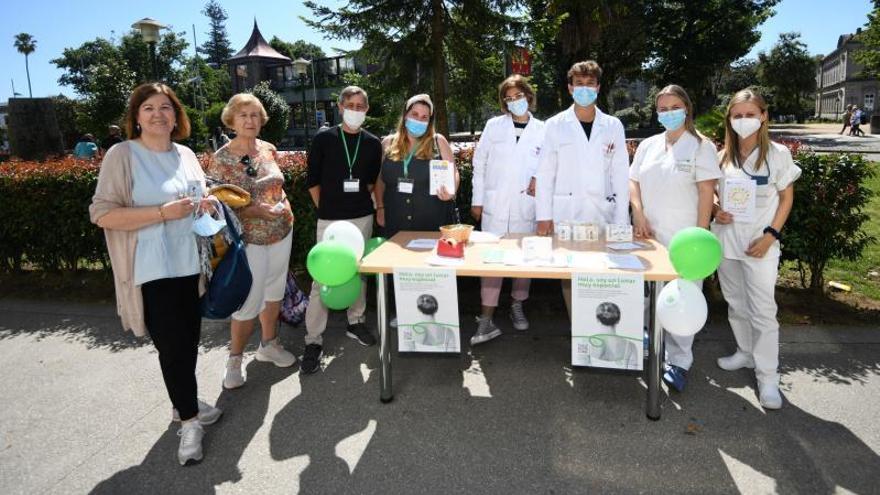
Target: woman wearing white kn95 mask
(755, 197)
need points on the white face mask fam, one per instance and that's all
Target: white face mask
(745, 126)
(353, 118)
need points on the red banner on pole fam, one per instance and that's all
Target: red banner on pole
(521, 61)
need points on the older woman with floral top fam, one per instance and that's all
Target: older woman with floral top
(267, 222)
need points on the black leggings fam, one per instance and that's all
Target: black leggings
(172, 316)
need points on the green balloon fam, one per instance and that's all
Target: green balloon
(695, 253)
(341, 296)
(331, 263)
(372, 244)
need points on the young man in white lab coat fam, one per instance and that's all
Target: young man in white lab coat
(505, 164)
(583, 174)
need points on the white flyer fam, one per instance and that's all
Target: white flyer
(427, 310)
(739, 199)
(607, 320)
(442, 174)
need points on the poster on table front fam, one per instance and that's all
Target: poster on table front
(607, 317)
(427, 310)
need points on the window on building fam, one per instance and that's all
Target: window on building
(869, 101)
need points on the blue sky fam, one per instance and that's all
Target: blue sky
(59, 24)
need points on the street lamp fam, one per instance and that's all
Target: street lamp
(300, 66)
(149, 29)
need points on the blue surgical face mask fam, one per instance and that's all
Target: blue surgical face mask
(584, 95)
(518, 107)
(672, 119)
(416, 127)
(207, 226)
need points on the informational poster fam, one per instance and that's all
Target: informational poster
(739, 199)
(442, 174)
(427, 310)
(607, 320)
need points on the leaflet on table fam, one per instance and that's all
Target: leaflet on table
(427, 310)
(607, 316)
(625, 246)
(590, 260)
(739, 199)
(442, 174)
(421, 244)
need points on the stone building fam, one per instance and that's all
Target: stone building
(840, 81)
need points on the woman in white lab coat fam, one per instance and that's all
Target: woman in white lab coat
(757, 191)
(505, 165)
(671, 185)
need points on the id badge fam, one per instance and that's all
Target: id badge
(684, 166)
(405, 186)
(351, 185)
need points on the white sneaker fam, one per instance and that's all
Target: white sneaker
(232, 375)
(769, 396)
(486, 331)
(518, 316)
(273, 353)
(737, 360)
(208, 414)
(190, 449)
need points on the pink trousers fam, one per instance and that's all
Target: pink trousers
(490, 290)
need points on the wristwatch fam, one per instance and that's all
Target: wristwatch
(775, 233)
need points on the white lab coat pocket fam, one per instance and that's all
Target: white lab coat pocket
(526, 207)
(563, 207)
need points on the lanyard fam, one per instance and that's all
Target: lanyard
(347, 156)
(407, 160)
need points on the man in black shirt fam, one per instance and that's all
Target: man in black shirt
(344, 163)
(115, 137)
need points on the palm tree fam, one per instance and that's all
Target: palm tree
(26, 44)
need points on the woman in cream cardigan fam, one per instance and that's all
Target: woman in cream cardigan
(148, 189)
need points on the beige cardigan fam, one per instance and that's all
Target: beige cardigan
(114, 191)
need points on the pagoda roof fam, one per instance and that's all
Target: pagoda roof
(258, 47)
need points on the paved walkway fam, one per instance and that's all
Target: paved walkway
(83, 409)
(825, 138)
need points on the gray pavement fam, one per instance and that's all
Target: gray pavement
(824, 138)
(83, 409)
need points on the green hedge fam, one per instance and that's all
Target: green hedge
(44, 206)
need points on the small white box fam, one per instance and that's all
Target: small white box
(615, 232)
(563, 231)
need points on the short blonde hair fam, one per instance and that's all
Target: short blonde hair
(238, 101)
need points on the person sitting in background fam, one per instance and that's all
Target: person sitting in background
(86, 148)
(115, 137)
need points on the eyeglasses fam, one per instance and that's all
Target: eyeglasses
(250, 170)
(508, 99)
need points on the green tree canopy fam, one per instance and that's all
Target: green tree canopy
(277, 109)
(869, 55)
(789, 72)
(217, 48)
(297, 49)
(410, 41)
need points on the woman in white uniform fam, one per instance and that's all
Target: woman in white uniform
(671, 185)
(505, 165)
(757, 190)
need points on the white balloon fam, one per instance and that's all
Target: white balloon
(348, 234)
(681, 308)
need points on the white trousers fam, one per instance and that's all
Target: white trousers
(316, 312)
(749, 287)
(269, 265)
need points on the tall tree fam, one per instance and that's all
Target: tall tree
(869, 55)
(297, 49)
(409, 40)
(26, 44)
(789, 72)
(217, 48)
(691, 41)
(611, 32)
